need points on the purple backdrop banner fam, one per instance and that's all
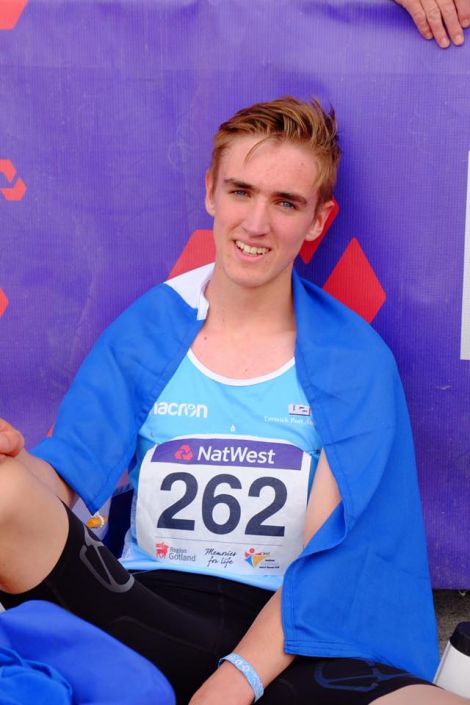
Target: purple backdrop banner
(107, 110)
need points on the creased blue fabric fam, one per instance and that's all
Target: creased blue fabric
(23, 681)
(51, 657)
(361, 587)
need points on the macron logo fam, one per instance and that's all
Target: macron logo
(236, 455)
(164, 408)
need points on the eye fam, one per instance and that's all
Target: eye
(239, 193)
(288, 205)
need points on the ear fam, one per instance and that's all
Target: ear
(318, 223)
(209, 200)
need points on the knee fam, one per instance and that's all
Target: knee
(15, 480)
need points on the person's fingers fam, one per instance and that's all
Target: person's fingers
(441, 19)
(442, 16)
(418, 15)
(451, 20)
(463, 11)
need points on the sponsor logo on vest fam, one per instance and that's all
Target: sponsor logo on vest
(254, 558)
(299, 410)
(161, 549)
(261, 560)
(230, 451)
(172, 408)
(172, 553)
(180, 554)
(236, 454)
(216, 557)
(184, 452)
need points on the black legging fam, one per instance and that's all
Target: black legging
(184, 623)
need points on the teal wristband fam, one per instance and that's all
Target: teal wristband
(248, 671)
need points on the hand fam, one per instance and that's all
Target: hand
(227, 685)
(11, 440)
(439, 19)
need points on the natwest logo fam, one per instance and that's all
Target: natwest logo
(164, 408)
(221, 450)
(184, 452)
(236, 454)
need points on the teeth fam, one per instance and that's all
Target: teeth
(247, 250)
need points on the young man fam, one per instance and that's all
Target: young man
(257, 416)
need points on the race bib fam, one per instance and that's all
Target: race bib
(230, 503)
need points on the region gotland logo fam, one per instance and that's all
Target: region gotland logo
(173, 553)
(161, 550)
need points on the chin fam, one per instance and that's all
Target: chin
(251, 280)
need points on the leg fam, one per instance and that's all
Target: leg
(46, 553)
(421, 695)
(345, 681)
(33, 528)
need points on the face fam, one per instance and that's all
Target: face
(264, 206)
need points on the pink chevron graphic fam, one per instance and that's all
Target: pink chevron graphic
(309, 248)
(10, 12)
(199, 250)
(3, 302)
(354, 283)
(18, 189)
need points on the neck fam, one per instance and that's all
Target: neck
(249, 331)
(263, 309)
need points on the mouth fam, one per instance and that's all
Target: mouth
(251, 251)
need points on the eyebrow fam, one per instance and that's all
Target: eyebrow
(286, 195)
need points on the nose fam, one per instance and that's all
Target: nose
(256, 220)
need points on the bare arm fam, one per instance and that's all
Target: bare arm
(263, 644)
(12, 445)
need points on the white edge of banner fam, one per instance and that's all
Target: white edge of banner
(465, 340)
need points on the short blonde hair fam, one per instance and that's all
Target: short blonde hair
(290, 120)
